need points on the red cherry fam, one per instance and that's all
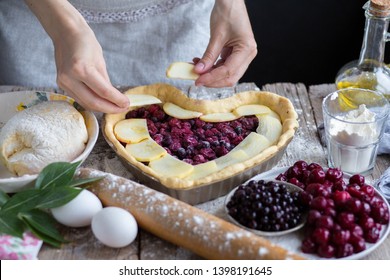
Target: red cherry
(301, 164)
(340, 236)
(296, 182)
(354, 205)
(281, 177)
(313, 166)
(318, 203)
(367, 223)
(313, 188)
(308, 246)
(305, 198)
(357, 179)
(320, 235)
(346, 220)
(325, 222)
(340, 185)
(367, 189)
(358, 243)
(326, 251)
(380, 214)
(344, 250)
(354, 190)
(330, 211)
(334, 174)
(356, 230)
(366, 208)
(313, 216)
(317, 189)
(372, 235)
(293, 172)
(316, 176)
(340, 198)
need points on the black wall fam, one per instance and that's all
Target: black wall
(304, 40)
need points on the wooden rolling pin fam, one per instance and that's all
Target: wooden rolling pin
(181, 224)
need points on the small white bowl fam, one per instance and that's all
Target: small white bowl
(290, 188)
(11, 103)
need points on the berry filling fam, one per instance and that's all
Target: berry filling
(266, 206)
(342, 216)
(193, 140)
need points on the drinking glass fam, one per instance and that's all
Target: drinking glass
(354, 122)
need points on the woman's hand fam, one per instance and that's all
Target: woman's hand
(81, 68)
(232, 46)
(81, 72)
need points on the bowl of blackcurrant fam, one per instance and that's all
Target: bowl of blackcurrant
(267, 207)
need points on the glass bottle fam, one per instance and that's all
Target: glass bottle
(370, 71)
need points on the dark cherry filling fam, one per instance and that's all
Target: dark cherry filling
(194, 141)
(342, 216)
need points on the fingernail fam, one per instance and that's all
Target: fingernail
(199, 66)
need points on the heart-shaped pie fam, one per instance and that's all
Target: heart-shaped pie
(184, 143)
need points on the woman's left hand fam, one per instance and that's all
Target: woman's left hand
(231, 48)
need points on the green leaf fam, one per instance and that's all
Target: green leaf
(11, 225)
(22, 201)
(3, 198)
(55, 197)
(44, 237)
(56, 174)
(79, 182)
(43, 224)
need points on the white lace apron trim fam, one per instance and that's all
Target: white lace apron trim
(131, 15)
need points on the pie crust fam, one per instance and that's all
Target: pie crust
(167, 93)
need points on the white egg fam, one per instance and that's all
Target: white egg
(79, 211)
(114, 227)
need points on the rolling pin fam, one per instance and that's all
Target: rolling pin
(180, 223)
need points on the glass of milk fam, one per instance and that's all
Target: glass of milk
(354, 122)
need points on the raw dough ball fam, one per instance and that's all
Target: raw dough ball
(44, 133)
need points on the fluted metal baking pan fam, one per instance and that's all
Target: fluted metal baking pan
(200, 193)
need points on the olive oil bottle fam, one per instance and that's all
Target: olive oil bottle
(370, 71)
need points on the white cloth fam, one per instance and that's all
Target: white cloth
(384, 145)
(140, 38)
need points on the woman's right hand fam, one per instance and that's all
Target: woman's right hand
(81, 68)
(81, 73)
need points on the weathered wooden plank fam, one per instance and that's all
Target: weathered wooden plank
(306, 145)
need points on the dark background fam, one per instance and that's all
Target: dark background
(304, 41)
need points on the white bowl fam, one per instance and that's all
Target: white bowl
(11, 103)
(290, 188)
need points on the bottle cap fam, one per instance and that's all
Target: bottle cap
(380, 8)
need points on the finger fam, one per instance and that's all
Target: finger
(211, 55)
(103, 88)
(90, 100)
(229, 72)
(218, 77)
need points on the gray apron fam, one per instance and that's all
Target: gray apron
(140, 38)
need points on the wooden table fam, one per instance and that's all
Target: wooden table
(306, 145)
